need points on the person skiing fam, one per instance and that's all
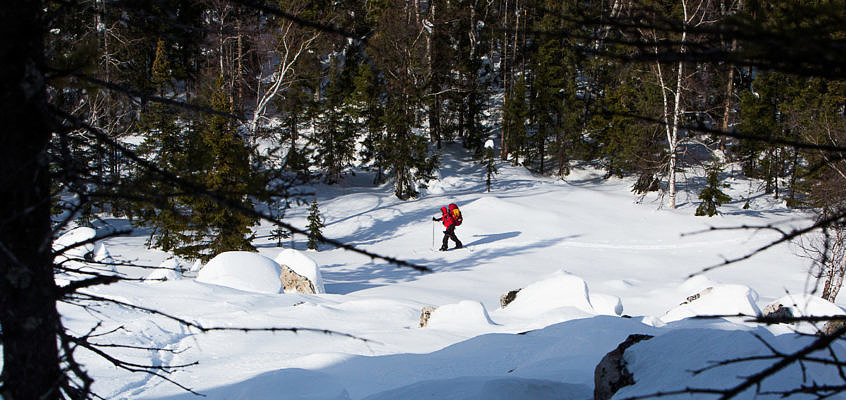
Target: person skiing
(449, 222)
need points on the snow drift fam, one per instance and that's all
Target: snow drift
(242, 270)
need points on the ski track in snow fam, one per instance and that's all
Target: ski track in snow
(647, 247)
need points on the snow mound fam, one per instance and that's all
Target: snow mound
(464, 314)
(71, 238)
(198, 265)
(243, 270)
(717, 300)
(667, 362)
(806, 305)
(606, 304)
(697, 284)
(303, 265)
(97, 254)
(165, 274)
(486, 388)
(561, 290)
(102, 254)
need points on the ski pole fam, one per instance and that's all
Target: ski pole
(433, 234)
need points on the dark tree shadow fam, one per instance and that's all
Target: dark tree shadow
(493, 237)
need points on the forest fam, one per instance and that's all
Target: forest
(197, 119)
(252, 98)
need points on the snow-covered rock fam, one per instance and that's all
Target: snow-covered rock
(70, 239)
(683, 358)
(464, 314)
(303, 266)
(560, 290)
(805, 305)
(198, 265)
(102, 254)
(611, 373)
(165, 274)
(243, 270)
(717, 300)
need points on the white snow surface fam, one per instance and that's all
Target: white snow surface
(595, 265)
(718, 300)
(464, 315)
(242, 270)
(71, 242)
(303, 265)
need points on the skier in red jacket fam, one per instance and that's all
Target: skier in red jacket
(449, 233)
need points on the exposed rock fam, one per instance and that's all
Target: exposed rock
(507, 298)
(831, 327)
(777, 311)
(611, 374)
(425, 314)
(294, 282)
(695, 297)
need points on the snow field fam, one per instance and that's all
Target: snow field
(583, 251)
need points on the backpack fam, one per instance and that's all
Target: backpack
(456, 214)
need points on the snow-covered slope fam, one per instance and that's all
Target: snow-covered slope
(596, 266)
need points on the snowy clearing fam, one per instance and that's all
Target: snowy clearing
(593, 264)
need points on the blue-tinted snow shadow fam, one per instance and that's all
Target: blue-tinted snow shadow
(493, 237)
(555, 362)
(347, 281)
(291, 383)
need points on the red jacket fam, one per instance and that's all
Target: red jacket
(446, 218)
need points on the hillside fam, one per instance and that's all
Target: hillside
(596, 266)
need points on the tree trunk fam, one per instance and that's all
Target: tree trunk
(727, 110)
(503, 140)
(27, 291)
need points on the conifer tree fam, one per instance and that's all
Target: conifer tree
(515, 114)
(279, 232)
(546, 101)
(760, 118)
(170, 145)
(711, 196)
(406, 151)
(211, 154)
(231, 174)
(161, 73)
(489, 160)
(364, 107)
(315, 226)
(338, 130)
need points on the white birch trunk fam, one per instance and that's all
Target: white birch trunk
(288, 56)
(673, 120)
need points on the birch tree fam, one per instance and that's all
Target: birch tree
(291, 43)
(672, 93)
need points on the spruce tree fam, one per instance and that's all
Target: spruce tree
(210, 154)
(711, 196)
(230, 174)
(546, 102)
(515, 114)
(170, 144)
(365, 109)
(315, 225)
(279, 232)
(338, 131)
